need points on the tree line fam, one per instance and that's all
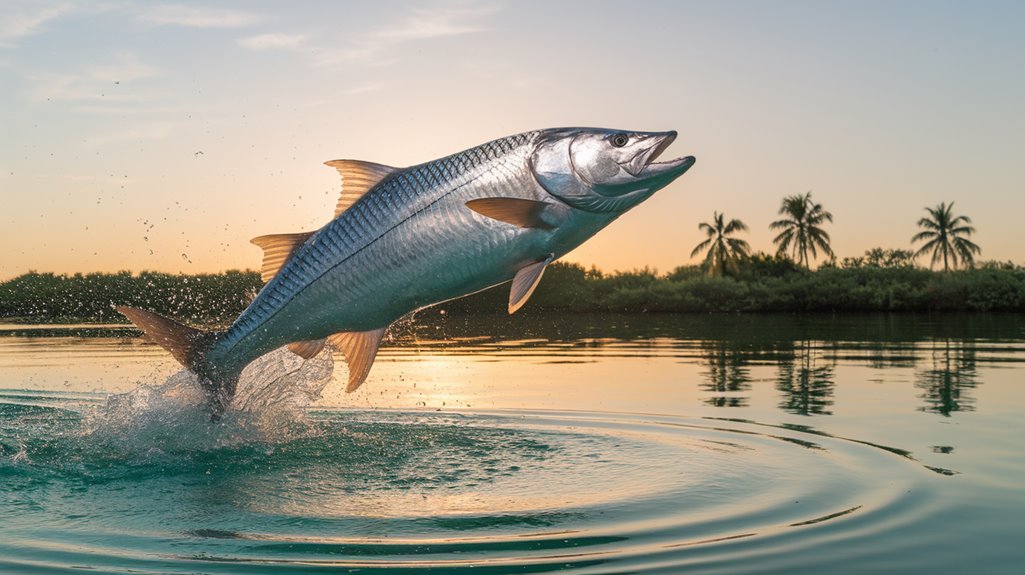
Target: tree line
(802, 236)
(199, 298)
(880, 281)
(730, 278)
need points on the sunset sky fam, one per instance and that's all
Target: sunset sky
(164, 136)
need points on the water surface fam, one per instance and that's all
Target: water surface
(591, 444)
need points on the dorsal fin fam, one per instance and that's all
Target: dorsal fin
(525, 282)
(307, 349)
(357, 179)
(515, 211)
(360, 349)
(277, 248)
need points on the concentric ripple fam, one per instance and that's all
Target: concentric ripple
(491, 492)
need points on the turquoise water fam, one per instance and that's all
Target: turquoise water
(606, 444)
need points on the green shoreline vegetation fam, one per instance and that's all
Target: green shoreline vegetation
(730, 279)
(882, 281)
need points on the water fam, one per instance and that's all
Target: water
(605, 444)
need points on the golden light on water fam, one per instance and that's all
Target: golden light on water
(663, 442)
(511, 377)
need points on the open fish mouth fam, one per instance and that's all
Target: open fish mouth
(643, 164)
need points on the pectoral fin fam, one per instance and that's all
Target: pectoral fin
(277, 248)
(515, 211)
(357, 179)
(307, 349)
(525, 282)
(359, 349)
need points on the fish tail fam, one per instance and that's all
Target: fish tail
(190, 346)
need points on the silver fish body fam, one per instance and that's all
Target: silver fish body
(441, 230)
(408, 243)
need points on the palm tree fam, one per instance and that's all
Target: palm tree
(801, 229)
(947, 237)
(723, 251)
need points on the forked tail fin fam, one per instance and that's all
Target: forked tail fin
(189, 346)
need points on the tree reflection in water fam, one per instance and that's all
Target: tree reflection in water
(726, 374)
(806, 380)
(733, 350)
(945, 386)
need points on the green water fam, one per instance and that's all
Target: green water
(593, 444)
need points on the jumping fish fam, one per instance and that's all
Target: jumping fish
(407, 238)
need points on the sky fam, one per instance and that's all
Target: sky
(152, 136)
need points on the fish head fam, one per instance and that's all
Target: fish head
(599, 170)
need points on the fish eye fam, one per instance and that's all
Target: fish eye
(619, 140)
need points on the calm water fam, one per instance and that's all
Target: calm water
(697, 444)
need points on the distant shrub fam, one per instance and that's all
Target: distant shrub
(878, 283)
(92, 297)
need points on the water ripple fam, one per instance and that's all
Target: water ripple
(415, 491)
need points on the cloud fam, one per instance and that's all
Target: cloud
(364, 88)
(438, 22)
(16, 24)
(196, 17)
(273, 41)
(420, 24)
(98, 83)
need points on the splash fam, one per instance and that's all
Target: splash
(270, 407)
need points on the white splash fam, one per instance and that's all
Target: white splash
(269, 407)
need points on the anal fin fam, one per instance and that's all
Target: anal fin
(307, 349)
(360, 349)
(525, 282)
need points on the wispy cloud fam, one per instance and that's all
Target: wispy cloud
(440, 21)
(374, 46)
(21, 21)
(102, 82)
(274, 41)
(197, 17)
(364, 88)
(437, 22)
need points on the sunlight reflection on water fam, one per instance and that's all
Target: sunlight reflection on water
(711, 444)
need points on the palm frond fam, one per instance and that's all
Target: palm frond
(967, 244)
(782, 224)
(930, 245)
(739, 246)
(700, 247)
(926, 235)
(784, 239)
(734, 226)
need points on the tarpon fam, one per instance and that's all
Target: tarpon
(407, 238)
